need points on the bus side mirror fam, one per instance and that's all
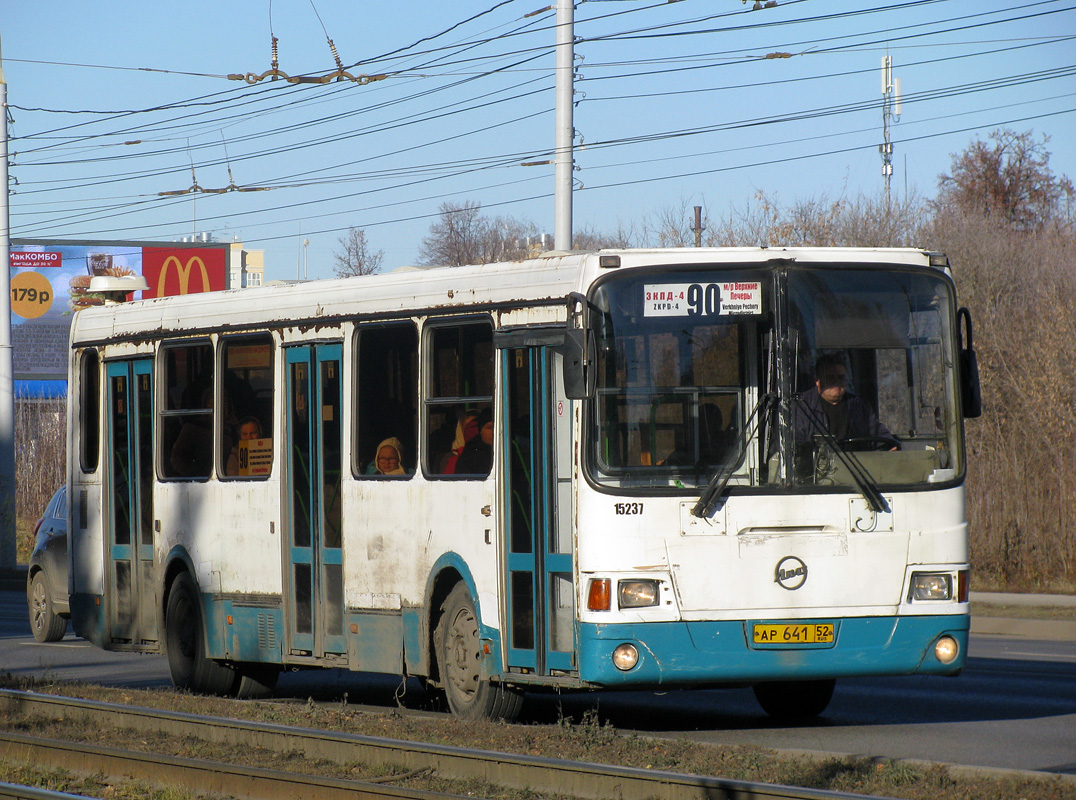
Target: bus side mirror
(970, 391)
(580, 368)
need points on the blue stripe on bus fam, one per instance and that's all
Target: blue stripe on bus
(672, 653)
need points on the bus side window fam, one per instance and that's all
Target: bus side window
(460, 391)
(245, 422)
(386, 399)
(186, 419)
(89, 411)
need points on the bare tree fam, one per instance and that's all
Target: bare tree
(674, 226)
(453, 238)
(355, 256)
(462, 235)
(821, 222)
(589, 239)
(1008, 177)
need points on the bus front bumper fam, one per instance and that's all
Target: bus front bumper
(699, 653)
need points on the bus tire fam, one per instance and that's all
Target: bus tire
(459, 654)
(184, 625)
(256, 680)
(794, 700)
(47, 625)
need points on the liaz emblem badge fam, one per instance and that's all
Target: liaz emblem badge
(791, 573)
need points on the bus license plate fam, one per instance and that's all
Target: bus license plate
(811, 633)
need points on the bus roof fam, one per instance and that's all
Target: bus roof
(545, 280)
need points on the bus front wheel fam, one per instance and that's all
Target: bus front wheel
(185, 644)
(459, 651)
(794, 700)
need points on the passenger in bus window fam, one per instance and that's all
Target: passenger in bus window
(829, 406)
(477, 456)
(249, 428)
(388, 459)
(466, 429)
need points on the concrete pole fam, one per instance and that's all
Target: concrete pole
(7, 382)
(564, 162)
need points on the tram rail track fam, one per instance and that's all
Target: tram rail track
(537, 774)
(14, 791)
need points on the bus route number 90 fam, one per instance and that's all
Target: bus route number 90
(703, 299)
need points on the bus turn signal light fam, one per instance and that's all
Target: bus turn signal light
(599, 595)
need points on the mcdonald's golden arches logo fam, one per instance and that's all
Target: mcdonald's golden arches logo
(184, 274)
(171, 271)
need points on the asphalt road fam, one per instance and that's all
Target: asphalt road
(1013, 708)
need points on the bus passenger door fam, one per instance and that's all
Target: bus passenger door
(314, 552)
(537, 503)
(132, 607)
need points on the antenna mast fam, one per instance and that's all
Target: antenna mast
(890, 113)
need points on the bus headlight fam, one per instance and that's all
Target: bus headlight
(625, 657)
(946, 649)
(931, 586)
(637, 594)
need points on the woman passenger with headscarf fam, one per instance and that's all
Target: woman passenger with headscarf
(388, 458)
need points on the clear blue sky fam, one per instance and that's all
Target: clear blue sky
(678, 105)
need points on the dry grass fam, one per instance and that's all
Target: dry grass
(1019, 287)
(40, 457)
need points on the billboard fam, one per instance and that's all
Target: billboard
(49, 281)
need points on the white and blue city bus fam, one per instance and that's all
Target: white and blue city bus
(648, 507)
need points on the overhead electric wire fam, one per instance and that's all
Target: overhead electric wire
(114, 178)
(798, 48)
(1015, 80)
(424, 115)
(824, 112)
(309, 124)
(545, 195)
(134, 131)
(388, 173)
(679, 133)
(598, 145)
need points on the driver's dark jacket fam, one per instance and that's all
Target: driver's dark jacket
(862, 421)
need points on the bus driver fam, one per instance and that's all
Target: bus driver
(829, 406)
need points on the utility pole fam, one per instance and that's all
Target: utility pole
(698, 226)
(564, 163)
(7, 381)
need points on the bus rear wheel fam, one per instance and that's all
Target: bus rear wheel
(185, 644)
(459, 651)
(794, 700)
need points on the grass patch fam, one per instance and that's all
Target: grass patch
(59, 780)
(587, 739)
(1064, 613)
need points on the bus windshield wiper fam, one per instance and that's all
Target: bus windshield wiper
(864, 480)
(715, 489)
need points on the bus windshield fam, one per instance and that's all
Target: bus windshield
(677, 370)
(715, 372)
